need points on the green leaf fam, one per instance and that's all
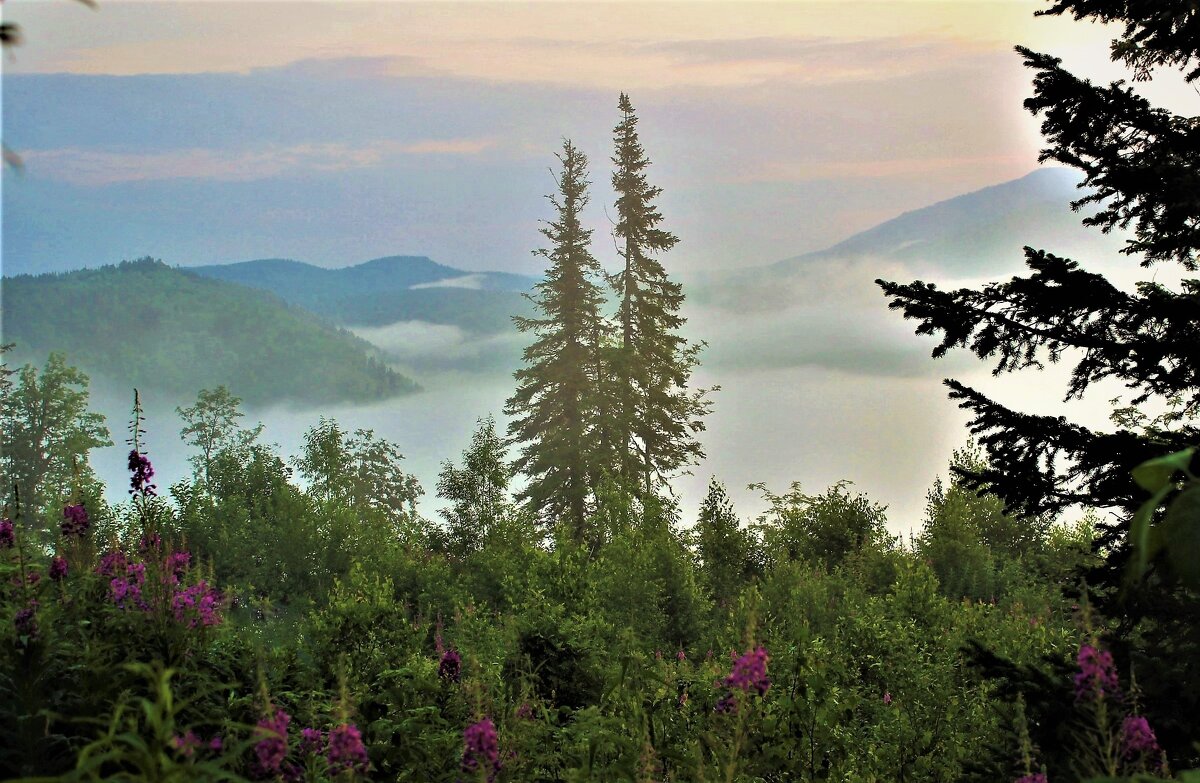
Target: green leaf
(1181, 534)
(1155, 474)
(1139, 533)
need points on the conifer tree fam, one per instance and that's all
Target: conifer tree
(555, 404)
(723, 545)
(1141, 167)
(657, 416)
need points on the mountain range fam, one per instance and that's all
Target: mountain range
(276, 329)
(971, 236)
(387, 290)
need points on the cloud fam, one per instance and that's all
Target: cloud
(474, 282)
(440, 346)
(827, 314)
(817, 59)
(97, 167)
(446, 147)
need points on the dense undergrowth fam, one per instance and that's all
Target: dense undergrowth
(243, 626)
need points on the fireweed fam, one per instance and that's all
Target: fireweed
(188, 743)
(271, 748)
(346, 750)
(749, 674)
(450, 667)
(8, 538)
(26, 621)
(312, 742)
(481, 749)
(75, 521)
(1097, 676)
(1137, 737)
(192, 605)
(58, 568)
(142, 471)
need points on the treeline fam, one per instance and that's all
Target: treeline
(309, 588)
(145, 324)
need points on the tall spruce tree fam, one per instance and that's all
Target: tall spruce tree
(1142, 171)
(554, 408)
(657, 416)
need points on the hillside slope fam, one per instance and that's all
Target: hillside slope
(977, 232)
(145, 324)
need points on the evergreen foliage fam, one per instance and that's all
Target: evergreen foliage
(171, 332)
(656, 415)
(723, 546)
(555, 406)
(1140, 165)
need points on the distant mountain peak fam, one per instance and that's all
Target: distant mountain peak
(973, 230)
(397, 261)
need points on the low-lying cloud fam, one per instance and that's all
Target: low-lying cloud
(474, 282)
(423, 347)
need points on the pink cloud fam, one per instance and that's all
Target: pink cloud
(105, 167)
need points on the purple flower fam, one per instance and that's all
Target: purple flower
(215, 744)
(58, 568)
(481, 749)
(26, 621)
(1036, 777)
(1137, 737)
(1097, 675)
(271, 748)
(887, 697)
(139, 465)
(346, 750)
(681, 656)
(75, 521)
(525, 711)
(31, 578)
(8, 536)
(197, 604)
(112, 563)
(177, 565)
(312, 742)
(187, 743)
(126, 594)
(750, 673)
(450, 667)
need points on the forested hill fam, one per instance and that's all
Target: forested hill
(386, 290)
(155, 327)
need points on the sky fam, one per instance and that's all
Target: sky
(335, 132)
